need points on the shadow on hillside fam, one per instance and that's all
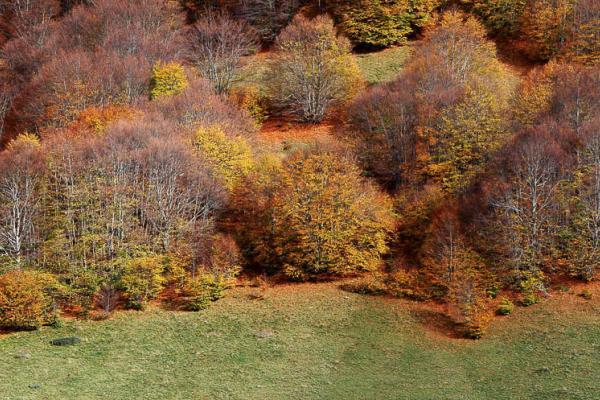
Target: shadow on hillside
(438, 322)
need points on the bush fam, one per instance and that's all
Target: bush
(532, 286)
(586, 294)
(250, 98)
(370, 285)
(403, 284)
(506, 307)
(143, 280)
(198, 293)
(27, 299)
(475, 328)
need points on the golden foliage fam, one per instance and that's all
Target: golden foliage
(167, 79)
(26, 299)
(230, 157)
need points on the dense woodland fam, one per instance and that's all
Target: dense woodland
(132, 168)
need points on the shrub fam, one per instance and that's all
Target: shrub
(199, 292)
(586, 294)
(403, 284)
(167, 80)
(370, 285)
(27, 299)
(312, 69)
(250, 98)
(506, 307)
(532, 286)
(476, 326)
(143, 280)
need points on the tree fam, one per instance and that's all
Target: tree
(27, 299)
(95, 55)
(198, 106)
(546, 26)
(267, 17)
(25, 15)
(231, 158)
(463, 91)
(326, 219)
(502, 17)
(385, 120)
(6, 99)
(20, 186)
(527, 203)
(443, 116)
(583, 194)
(575, 100)
(312, 69)
(533, 97)
(583, 43)
(216, 46)
(167, 80)
(142, 280)
(380, 23)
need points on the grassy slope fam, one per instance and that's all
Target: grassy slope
(383, 66)
(310, 342)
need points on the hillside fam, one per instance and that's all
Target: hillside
(300, 199)
(311, 341)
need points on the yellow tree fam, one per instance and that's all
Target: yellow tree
(231, 158)
(327, 219)
(463, 91)
(167, 79)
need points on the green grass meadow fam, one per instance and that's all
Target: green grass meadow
(308, 342)
(383, 66)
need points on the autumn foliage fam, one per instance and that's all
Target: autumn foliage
(134, 169)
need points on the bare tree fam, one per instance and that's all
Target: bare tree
(6, 99)
(528, 203)
(267, 17)
(312, 69)
(19, 196)
(385, 118)
(216, 44)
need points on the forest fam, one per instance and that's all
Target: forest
(134, 169)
